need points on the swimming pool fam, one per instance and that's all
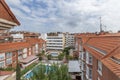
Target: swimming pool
(30, 73)
(54, 54)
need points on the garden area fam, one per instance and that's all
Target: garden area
(52, 72)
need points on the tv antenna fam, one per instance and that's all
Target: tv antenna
(100, 25)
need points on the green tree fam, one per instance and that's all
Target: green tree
(18, 71)
(41, 55)
(53, 72)
(60, 56)
(49, 57)
(66, 49)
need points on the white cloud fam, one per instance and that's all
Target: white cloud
(66, 15)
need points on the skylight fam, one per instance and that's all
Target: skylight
(97, 49)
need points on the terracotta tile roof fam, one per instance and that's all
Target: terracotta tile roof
(31, 34)
(35, 40)
(94, 53)
(106, 44)
(106, 49)
(6, 13)
(117, 56)
(114, 53)
(6, 47)
(111, 65)
(86, 34)
(111, 34)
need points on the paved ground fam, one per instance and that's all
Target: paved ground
(11, 77)
(3, 77)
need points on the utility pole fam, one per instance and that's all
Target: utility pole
(100, 25)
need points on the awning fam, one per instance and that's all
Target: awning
(29, 59)
(74, 66)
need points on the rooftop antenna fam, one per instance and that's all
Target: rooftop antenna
(100, 25)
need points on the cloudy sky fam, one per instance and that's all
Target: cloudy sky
(66, 15)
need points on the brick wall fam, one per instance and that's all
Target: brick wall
(106, 73)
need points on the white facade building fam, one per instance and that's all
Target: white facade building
(55, 42)
(69, 39)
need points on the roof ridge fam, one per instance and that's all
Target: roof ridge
(110, 53)
(87, 40)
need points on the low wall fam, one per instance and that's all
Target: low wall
(2, 73)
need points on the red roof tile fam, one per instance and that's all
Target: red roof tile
(6, 13)
(5, 47)
(94, 53)
(111, 65)
(108, 44)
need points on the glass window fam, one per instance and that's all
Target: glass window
(100, 67)
(2, 64)
(9, 61)
(88, 58)
(8, 54)
(90, 73)
(2, 56)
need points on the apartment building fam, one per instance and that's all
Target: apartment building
(7, 21)
(55, 42)
(24, 52)
(69, 39)
(12, 52)
(21, 35)
(99, 56)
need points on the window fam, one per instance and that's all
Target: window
(88, 73)
(20, 52)
(25, 50)
(9, 54)
(88, 58)
(2, 64)
(2, 56)
(80, 47)
(100, 67)
(9, 61)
